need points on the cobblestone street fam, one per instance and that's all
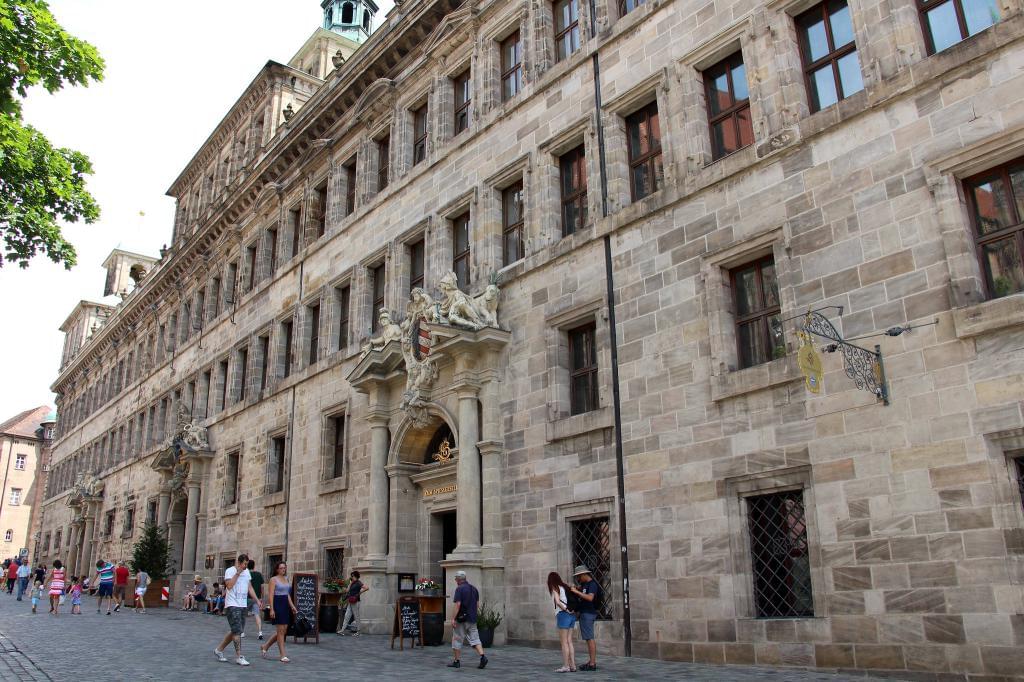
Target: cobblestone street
(170, 645)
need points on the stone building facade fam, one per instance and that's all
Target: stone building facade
(737, 177)
(24, 441)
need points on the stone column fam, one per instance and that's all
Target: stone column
(72, 566)
(84, 559)
(468, 474)
(163, 508)
(188, 557)
(377, 537)
(200, 561)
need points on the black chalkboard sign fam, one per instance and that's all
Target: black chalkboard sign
(306, 593)
(407, 622)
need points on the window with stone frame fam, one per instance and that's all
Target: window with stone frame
(334, 446)
(343, 299)
(108, 524)
(995, 199)
(285, 347)
(728, 104)
(231, 289)
(461, 249)
(15, 497)
(463, 90)
(627, 6)
(349, 169)
(263, 349)
(222, 384)
(583, 376)
(20, 461)
(417, 261)
(420, 132)
(383, 161)
(215, 296)
(378, 276)
(334, 563)
(947, 22)
(591, 547)
(270, 257)
(756, 311)
(831, 64)
(46, 543)
(511, 66)
(128, 526)
(643, 135)
(232, 477)
(780, 559)
(199, 319)
(566, 14)
(572, 168)
(512, 222)
(295, 226)
(320, 208)
(276, 464)
(151, 512)
(250, 262)
(313, 327)
(273, 559)
(56, 540)
(241, 374)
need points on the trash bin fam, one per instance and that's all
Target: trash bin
(433, 629)
(328, 618)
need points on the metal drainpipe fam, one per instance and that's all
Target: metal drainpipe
(620, 468)
(291, 437)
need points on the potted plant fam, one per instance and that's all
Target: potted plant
(330, 603)
(426, 587)
(152, 555)
(487, 621)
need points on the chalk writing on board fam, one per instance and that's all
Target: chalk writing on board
(409, 612)
(305, 594)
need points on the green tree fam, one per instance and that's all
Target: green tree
(39, 184)
(151, 553)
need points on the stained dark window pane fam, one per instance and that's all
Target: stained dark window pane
(943, 26)
(770, 284)
(849, 74)
(746, 292)
(992, 206)
(1017, 185)
(980, 14)
(842, 27)
(823, 86)
(1006, 274)
(752, 347)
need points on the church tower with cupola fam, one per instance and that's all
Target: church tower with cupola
(350, 18)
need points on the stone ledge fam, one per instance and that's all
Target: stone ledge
(756, 378)
(332, 485)
(273, 499)
(580, 424)
(989, 316)
(229, 510)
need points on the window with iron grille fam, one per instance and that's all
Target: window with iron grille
(583, 391)
(512, 222)
(334, 562)
(460, 251)
(377, 274)
(416, 264)
(275, 473)
(947, 22)
(756, 296)
(567, 27)
(646, 173)
(996, 199)
(419, 141)
(591, 547)
(383, 162)
(463, 99)
(573, 168)
(728, 100)
(831, 64)
(511, 66)
(779, 555)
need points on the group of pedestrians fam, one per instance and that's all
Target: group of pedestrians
(60, 587)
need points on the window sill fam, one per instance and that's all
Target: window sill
(756, 378)
(580, 424)
(273, 499)
(229, 510)
(333, 485)
(990, 316)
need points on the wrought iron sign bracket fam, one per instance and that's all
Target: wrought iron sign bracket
(864, 367)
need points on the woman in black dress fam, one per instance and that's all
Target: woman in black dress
(282, 608)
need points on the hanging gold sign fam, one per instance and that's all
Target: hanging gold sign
(809, 361)
(444, 453)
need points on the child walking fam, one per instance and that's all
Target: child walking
(76, 596)
(37, 595)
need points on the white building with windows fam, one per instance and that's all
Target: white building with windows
(22, 439)
(725, 302)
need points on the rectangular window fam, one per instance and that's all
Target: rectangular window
(222, 378)
(334, 563)
(831, 65)
(996, 199)
(129, 522)
(215, 293)
(229, 293)
(263, 345)
(206, 387)
(756, 296)
(242, 367)
(627, 6)
(567, 27)
(320, 205)
(271, 251)
(460, 250)
(250, 259)
(725, 86)
(416, 264)
(56, 540)
(383, 162)
(591, 547)
(583, 393)
(108, 525)
(295, 220)
(151, 512)
(573, 169)
(286, 348)
(313, 315)
(343, 297)
(350, 187)
(947, 22)
(512, 223)
(419, 128)
(231, 478)
(15, 496)
(780, 560)
(336, 445)
(275, 480)
(200, 310)
(462, 86)
(511, 67)
(646, 174)
(19, 462)
(377, 274)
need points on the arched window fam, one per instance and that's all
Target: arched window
(346, 13)
(366, 20)
(9, 535)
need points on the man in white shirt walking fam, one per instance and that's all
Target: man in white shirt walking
(238, 588)
(24, 572)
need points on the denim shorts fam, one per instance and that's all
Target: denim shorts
(587, 625)
(565, 620)
(106, 589)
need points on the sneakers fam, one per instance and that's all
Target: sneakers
(260, 636)
(483, 662)
(117, 608)
(455, 664)
(241, 661)
(243, 635)
(220, 655)
(108, 613)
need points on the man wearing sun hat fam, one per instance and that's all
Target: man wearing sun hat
(196, 595)
(589, 592)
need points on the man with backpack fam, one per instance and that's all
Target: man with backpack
(589, 593)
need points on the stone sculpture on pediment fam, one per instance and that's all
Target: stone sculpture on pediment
(456, 308)
(389, 331)
(421, 371)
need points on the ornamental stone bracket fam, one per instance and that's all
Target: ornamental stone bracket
(87, 488)
(182, 458)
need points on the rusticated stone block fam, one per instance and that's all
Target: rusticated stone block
(881, 656)
(944, 629)
(923, 600)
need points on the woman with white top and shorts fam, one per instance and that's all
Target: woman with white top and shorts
(565, 619)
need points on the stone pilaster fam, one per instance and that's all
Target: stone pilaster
(188, 556)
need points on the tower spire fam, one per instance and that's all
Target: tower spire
(350, 18)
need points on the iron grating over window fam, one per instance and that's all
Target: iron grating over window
(334, 559)
(591, 542)
(778, 549)
(1018, 469)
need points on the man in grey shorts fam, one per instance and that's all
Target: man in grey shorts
(464, 623)
(237, 589)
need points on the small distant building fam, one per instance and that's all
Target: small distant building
(21, 441)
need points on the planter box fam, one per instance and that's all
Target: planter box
(152, 596)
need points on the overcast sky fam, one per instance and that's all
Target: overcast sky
(172, 72)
